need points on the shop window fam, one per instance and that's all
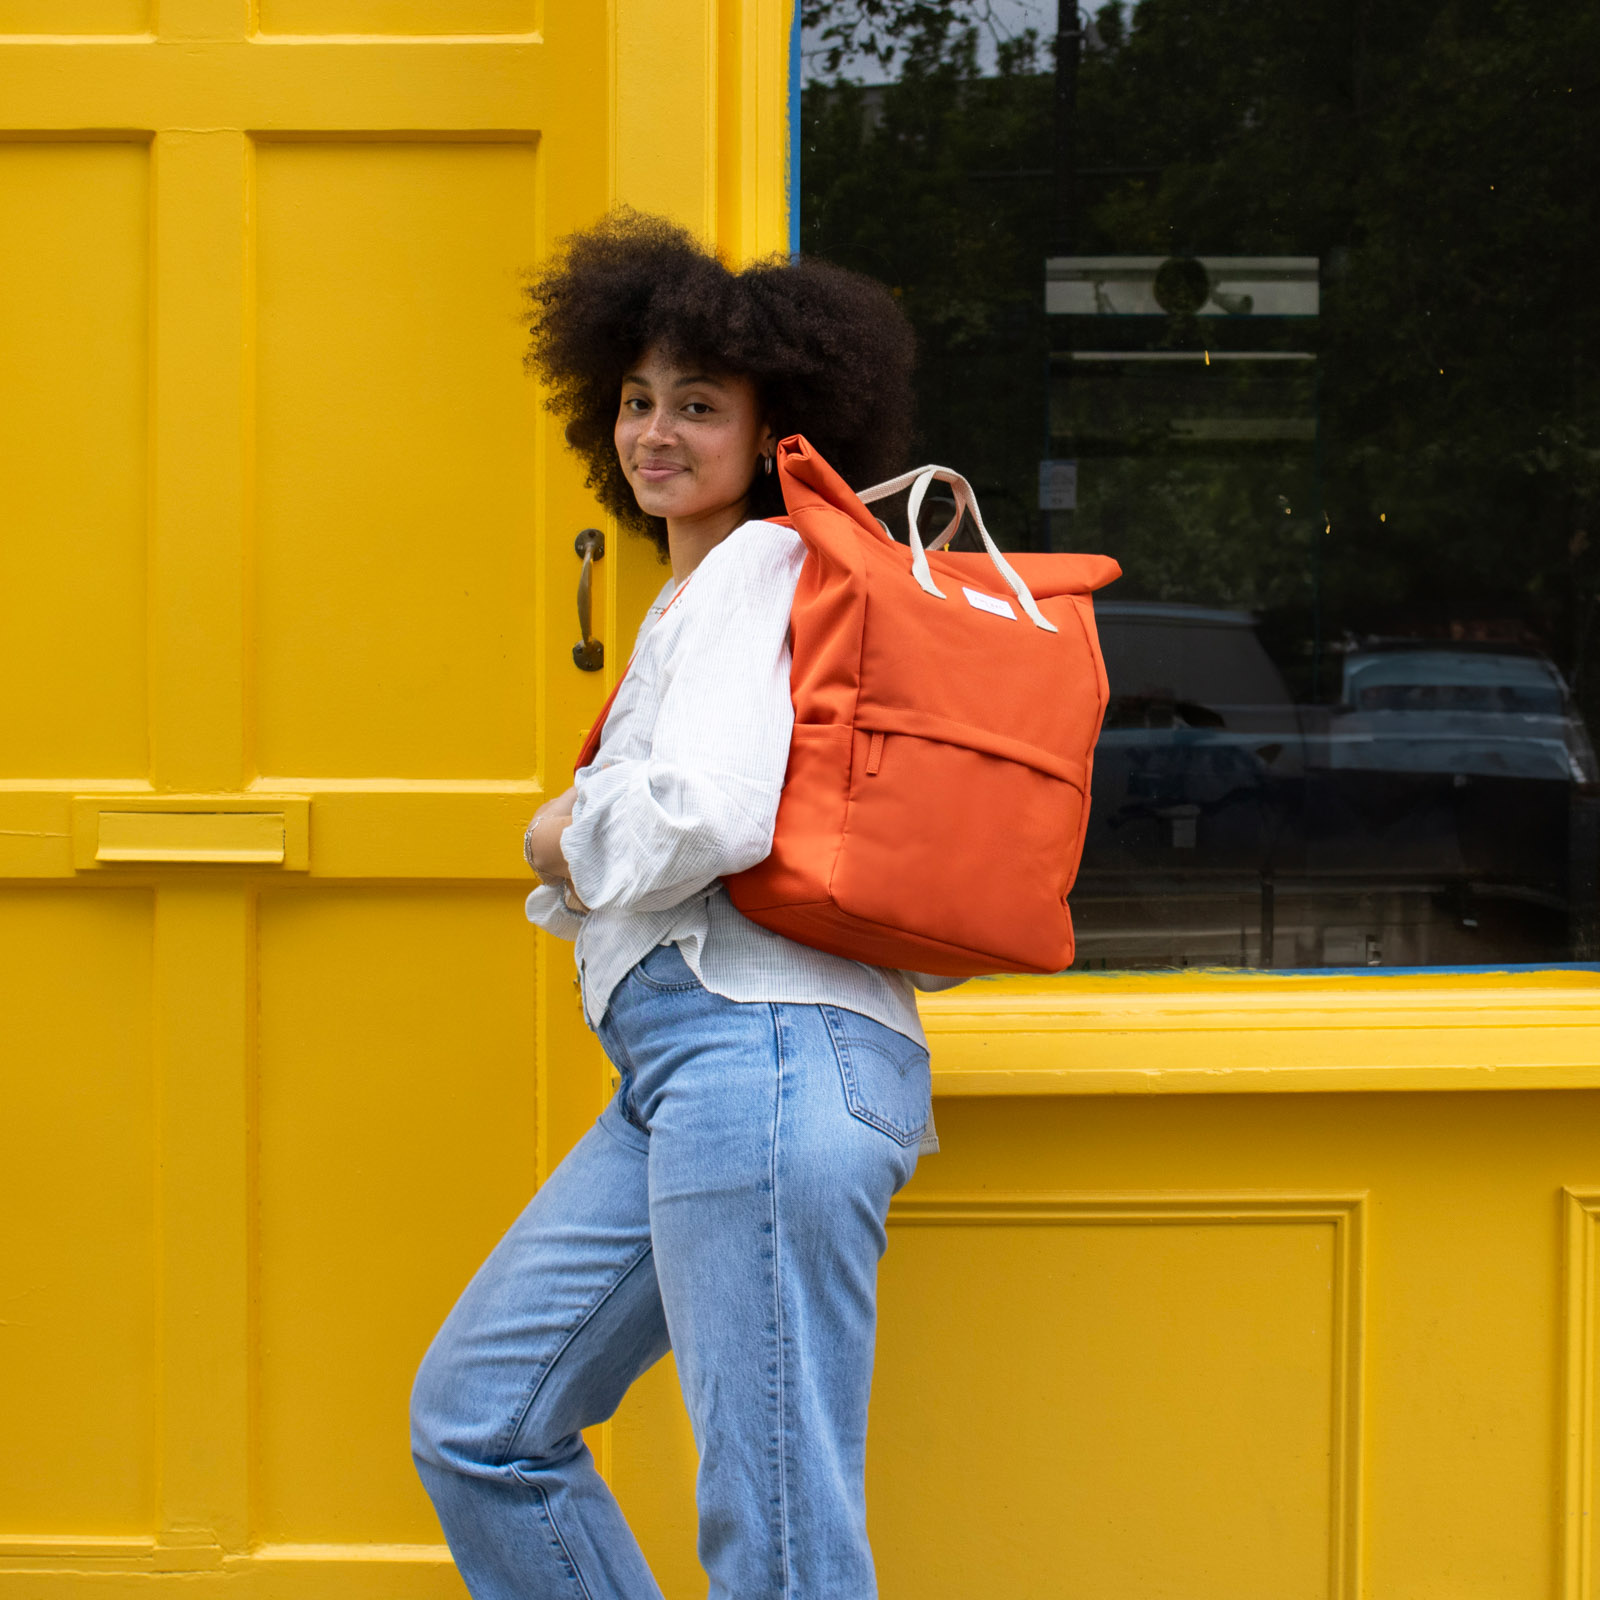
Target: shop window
(1290, 309)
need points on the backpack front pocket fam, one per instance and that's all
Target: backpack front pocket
(960, 846)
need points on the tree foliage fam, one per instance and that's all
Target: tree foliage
(882, 31)
(900, 184)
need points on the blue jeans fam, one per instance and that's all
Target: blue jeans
(728, 1205)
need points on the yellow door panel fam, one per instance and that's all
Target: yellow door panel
(396, 509)
(396, 1141)
(74, 315)
(1171, 1368)
(78, 1178)
(399, 16)
(1580, 1403)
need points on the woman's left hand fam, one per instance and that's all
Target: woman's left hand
(543, 843)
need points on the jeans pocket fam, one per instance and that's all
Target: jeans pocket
(885, 1074)
(664, 970)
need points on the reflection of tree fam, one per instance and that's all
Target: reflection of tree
(1441, 159)
(838, 32)
(1202, 534)
(918, 186)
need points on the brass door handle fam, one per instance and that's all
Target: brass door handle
(589, 652)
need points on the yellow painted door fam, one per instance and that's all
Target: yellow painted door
(286, 621)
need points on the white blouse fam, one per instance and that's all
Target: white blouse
(684, 790)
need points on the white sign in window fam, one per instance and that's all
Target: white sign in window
(1058, 485)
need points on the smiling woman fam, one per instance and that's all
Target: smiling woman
(771, 1098)
(825, 351)
(688, 444)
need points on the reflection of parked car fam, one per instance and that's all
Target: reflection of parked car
(1442, 812)
(1194, 779)
(1478, 711)
(1199, 726)
(1465, 767)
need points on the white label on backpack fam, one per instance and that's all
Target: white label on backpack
(987, 602)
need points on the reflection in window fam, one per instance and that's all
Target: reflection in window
(1262, 299)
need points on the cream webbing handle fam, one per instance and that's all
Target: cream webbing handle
(920, 480)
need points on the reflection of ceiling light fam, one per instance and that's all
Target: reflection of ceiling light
(1229, 428)
(1181, 286)
(1202, 286)
(1208, 356)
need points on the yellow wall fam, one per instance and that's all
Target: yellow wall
(1224, 1287)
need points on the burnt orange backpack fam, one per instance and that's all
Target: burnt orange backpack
(946, 710)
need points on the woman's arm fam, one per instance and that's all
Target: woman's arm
(553, 906)
(541, 844)
(547, 908)
(647, 833)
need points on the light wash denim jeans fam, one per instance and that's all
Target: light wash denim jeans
(729, 1204)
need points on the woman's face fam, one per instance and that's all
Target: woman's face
(689, 440)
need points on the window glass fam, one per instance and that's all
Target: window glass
(1290, 308)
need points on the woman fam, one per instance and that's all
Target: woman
(730, 1202)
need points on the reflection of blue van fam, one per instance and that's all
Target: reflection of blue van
(1475, 710)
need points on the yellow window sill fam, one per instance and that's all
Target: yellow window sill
(1210, 1032)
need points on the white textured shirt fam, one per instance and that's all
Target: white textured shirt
(684, 790)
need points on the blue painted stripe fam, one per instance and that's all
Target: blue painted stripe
(794, 128)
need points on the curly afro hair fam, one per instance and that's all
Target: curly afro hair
(829, 351)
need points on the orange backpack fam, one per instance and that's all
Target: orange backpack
(946, 712)
(937, 793)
